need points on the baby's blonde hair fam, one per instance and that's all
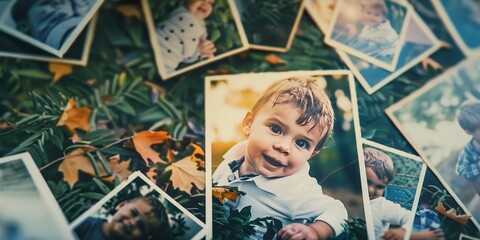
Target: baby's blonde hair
(310, 99)
(468, 115)
(380, 163)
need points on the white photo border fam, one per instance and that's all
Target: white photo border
(389, 67)
(44, 192)
(157, 52)
(279, 75)
(65, 45)
(82, 61)
(390, 113)
(125, 183)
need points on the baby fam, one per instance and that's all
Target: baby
(287, 126)
(377, 36)
(183, 36)
(379, 171)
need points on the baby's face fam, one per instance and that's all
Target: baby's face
(277, 145)
(372, 16)
(201, 9)
(132, 221)
(376, 186)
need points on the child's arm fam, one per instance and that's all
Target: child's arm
(394, 233)
(316, 230)
(207, 48)
(466, 169)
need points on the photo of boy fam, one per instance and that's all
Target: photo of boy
(287, 126)
(50, 25)
(137, 209)
(377, 36)
(468, 163)
(139, 218)
(280, 150)
(183, 36)
(435, 120)
(372, 30)
(379, 171)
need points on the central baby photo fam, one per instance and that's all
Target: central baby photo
(282, 155)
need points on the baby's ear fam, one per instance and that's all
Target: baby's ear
(247, 123)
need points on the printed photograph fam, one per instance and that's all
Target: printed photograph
(190, 33)
(442, 122)
(463, 20)
(321, 12)
(28, 209)
(282, 156)
(419, 44)
(394, 181)
(270, 25)
(438, 215)
(138, 209)
(76, 55)
(372, 30)
(51, 26)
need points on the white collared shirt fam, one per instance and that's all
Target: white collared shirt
(386, 212)
(292, 199)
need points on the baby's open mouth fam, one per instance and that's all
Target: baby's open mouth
(272, 161)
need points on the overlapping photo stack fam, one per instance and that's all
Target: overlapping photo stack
(239, 119)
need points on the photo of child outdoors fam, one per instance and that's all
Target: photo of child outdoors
(468, 163)
(28, 209)
(49, 25)
(137, 210)
(183, 35)
(393, 179)
(441, 121)
(276, 158)
(189, 33)
(369, 29)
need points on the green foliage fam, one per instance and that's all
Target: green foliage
(354, 229)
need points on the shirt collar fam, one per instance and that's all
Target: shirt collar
(275, 186)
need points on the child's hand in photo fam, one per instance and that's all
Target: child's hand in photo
(296, 231)
(207, 48)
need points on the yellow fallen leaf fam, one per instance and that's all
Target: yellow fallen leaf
(198, 151)
(75, 117)
(152, 174)
(76, 160)
(185, 173)
(452, 214)
(143, 142)
(59, 70)
(274, 59)
(224, 193)
(119, 169)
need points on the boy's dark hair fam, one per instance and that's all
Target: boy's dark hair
(310, 99)
(468, 115)
(380, 163)
(160, 212)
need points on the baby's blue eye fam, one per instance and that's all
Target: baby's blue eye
(302, 144)
(276, 129)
